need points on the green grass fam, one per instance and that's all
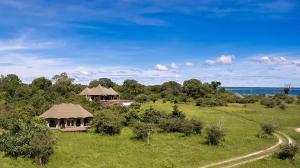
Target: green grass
(82, 150)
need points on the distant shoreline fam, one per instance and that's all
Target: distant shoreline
(261, 90)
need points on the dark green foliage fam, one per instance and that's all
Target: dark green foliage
(288, 151)
(107, 123)
(28, 138)
(131, 88)
(190, 127)
(105, 82)
(141, 98)
(142, 131)
(152, 115)
(268, 128)
(176, 113)
(214, 135)
(192, 88)
(210, 102)
(170, 125)
(170, 88)
(135, 105)
(41, 83)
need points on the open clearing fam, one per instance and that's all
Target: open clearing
(242, 124)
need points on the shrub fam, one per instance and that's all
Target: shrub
(142, 131)
(268, 102)
(288, 151)
(268, 128)
(289, 100)
(197, 126)
(152, 116)
(141, 98)
(210, 102)
(164, 101)
(176, 113)
(214, 135)
(107, 123)
(282, 106)
(135, 105)
(171, 125)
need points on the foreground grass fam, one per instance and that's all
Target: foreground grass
(81, 150)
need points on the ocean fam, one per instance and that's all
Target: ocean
(261, 90)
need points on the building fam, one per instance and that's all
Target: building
(104, 96)
(100, 93)
(68, 117)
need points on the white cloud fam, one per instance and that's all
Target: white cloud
(223, 59)
(161, 67)
(189, 64)
(276, 60)
(23, 43)
(174, 66)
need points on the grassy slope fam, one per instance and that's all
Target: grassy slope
(91, 150)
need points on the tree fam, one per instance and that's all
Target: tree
(105, 82)
(28, 137)
(63, 78)
(107, 123)
(288, 151)
(268, 128)
(131, 88)
(214, 135)
(9, 84)
(192, 88)
(170, 88)
(176, 113)
(41, 83)
(142, 131)
(152, 116)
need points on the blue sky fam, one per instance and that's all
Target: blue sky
(238, 42)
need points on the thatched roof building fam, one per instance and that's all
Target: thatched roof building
(64, 116)
(99, 91)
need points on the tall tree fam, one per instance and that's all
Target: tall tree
(192, 87)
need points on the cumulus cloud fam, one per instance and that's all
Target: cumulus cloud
(223, 59)
(189, 64)
(161, 67)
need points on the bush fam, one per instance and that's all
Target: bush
(152, 116)
(289, 100)
(135, 105)
(214, 135)
(142, 131)
(210, 102)
(171, 125)
(197, 126)
(141, 98)
(268, 128)
(282, 106)
(268, 102)
(107, 123)
(176, 113)
(288, 151)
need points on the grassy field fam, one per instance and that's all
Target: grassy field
(81, 150)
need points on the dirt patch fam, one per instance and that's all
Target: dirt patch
(297, 129)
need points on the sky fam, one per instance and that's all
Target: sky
(237, 42)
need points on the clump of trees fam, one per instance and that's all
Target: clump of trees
(142, 131)
(28, 137)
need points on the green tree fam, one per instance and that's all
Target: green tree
(170, 88)
(192, 87)
(9, 84)
(28, 137)
(107, 123)
(105, 82)
(41, 83)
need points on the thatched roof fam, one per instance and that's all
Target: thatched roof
(99, 91)
(66, 111)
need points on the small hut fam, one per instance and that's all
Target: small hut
(100, 93)
(68, 117)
